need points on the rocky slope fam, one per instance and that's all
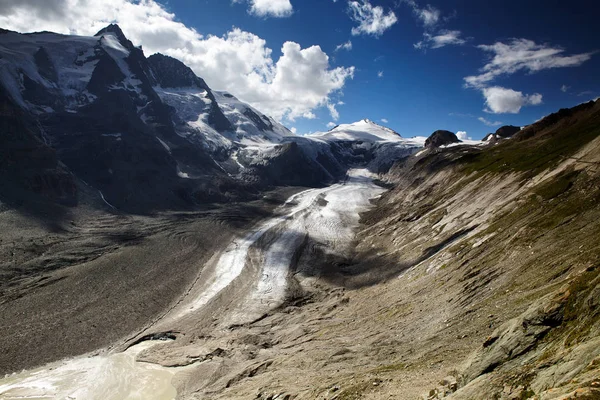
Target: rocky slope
(498, 254)
(504, 132)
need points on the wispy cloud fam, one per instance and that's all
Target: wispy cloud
(441, 39)
(372, 20)
(380, 74)
(333, 111)
(585, 93)
(516, 56)
(489, 123)
(384, 120)
(480, 119)
(522, 55)
(565, 88)
(429, 16)
(344, 46)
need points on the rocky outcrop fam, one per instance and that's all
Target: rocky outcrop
(44, 64)
(517, 336)
(288, 164)
(507, 131)
(504, 132)
(441, 138)
(561, 117)
(261, 122)
(552, 350)
(169, 72)
(115, 30)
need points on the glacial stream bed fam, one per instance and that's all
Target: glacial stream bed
(327, 215)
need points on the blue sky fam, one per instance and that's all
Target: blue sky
(407, 63)
(422, 91)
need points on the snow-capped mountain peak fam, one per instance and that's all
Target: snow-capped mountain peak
(363, 130)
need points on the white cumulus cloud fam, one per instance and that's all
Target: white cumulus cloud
(372, 20)
(462, 135)
(502, 100)
(331, 124)
(384, 120)
(269, 8)
(240, 62)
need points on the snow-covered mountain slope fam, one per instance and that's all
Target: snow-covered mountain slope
(250, 125)
(368, 143)
(364, 130)
(216, 119)
(61, 64)
(192, 107)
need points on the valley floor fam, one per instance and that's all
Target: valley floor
(236, 286)
(92, 279)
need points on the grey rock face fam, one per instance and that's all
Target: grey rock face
(517, 336)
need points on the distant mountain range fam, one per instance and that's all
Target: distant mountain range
(95, 115)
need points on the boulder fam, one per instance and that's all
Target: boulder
(441, 138)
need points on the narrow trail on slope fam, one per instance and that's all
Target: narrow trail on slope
(327, 215)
